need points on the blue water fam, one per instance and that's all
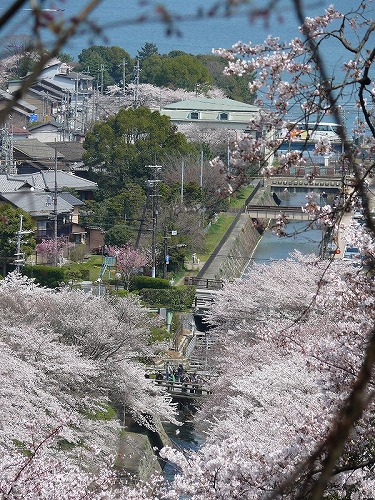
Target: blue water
(273, 247)
(300, 237)
(184, 437)
(117, 22)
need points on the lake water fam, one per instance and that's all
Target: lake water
(117, 21)
(118, 25)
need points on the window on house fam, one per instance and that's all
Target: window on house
(194, 115)
(223, 116)
(41, 228)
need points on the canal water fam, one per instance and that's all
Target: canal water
(270, 247)
(184, 437)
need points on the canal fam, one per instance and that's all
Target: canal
(301, 237)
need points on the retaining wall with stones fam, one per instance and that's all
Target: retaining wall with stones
(239, 255)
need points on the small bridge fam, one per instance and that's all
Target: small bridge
(182, 390)
(272, 212)
(329, 183)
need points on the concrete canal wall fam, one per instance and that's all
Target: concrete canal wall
(235, 248)
(241, 248)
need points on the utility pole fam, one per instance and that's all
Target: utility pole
(101, 78)
(55, 209)
(166, 256)
(123, 76)
(155, 185)
(201, 170)
(182, 183)
(19, 260)
(9, 165)
(136, 84)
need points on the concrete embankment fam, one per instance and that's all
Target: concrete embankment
(237, 245)
(235, 252)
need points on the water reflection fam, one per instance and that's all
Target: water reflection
(302, 236)
(184, 437)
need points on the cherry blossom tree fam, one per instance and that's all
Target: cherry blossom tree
(289, 347)
(128, 260)
(295, 344)
(52, 249)
(294, 418)
(67, 358)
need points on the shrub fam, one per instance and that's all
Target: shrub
(140, 282)
(77, 272)
(177, 298)
(77, 253)
(48, 276)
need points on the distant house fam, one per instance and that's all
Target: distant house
(72, 152)
(21, 112)
(45, 180)
(212, 113)
(47, 106)
(41, 206)
(35, 194)
(46, 132)
(32, 155)
(59, 94)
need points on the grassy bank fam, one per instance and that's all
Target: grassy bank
(215, 233)
(241, 197)
(218, 229)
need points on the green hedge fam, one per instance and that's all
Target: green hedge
(52, 277)
(48, 276)
(77, 272)
(140, 282)
(177, 298)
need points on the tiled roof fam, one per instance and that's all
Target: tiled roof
(20, 102)
(8, 185)
(46, 180)
(71, 150)
(37, 203)
(35, 149)
(51, 123)
(73, 75)
(71, 199)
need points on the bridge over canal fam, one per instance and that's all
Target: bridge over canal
(273, 212)
(189, 390)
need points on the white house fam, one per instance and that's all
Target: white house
(212, 113)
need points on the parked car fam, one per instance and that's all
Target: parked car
(353, 254)
(358, 215)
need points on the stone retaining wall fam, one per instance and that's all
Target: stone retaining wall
(239, 255)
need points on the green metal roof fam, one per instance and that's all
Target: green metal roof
(210, 104)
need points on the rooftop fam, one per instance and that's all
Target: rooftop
(211, 104)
